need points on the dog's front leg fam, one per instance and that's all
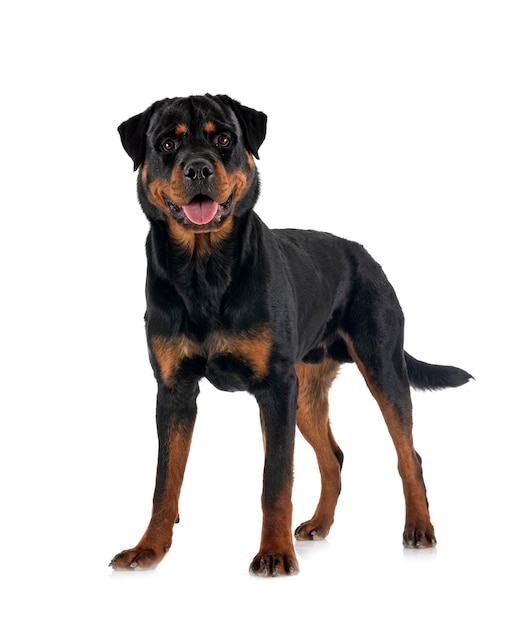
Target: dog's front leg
(176, 411)
(278, 404)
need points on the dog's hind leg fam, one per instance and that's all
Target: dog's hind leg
(380, 359)
(313, 422)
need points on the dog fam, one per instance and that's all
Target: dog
(271, 312)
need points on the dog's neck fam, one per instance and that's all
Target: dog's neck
(201, 273)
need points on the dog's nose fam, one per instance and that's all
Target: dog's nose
(198, 169)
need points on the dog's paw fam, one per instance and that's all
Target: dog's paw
(139, 557)
(419, 535)
(312, 531)
(274, 564)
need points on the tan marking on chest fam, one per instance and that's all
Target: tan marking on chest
(252, 346)
(170, 352)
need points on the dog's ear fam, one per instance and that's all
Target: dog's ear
(133, 136)
(253, 123)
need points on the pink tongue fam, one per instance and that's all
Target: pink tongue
(201, 211)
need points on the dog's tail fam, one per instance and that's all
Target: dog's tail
(432, 377)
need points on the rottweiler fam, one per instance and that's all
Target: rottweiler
(271, 312)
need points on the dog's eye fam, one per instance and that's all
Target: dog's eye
(223, 141)
(168, 145)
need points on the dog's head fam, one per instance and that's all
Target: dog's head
(195, 154)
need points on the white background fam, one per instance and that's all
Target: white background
(396, 124)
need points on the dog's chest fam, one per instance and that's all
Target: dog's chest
(231, 361)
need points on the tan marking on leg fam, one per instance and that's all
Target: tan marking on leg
(417, 517)
(313, 422)
(276, 554)
(166, 508)
(157, 539)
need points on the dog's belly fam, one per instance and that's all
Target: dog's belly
(229, 373)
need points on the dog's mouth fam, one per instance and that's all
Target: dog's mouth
(200, 211)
